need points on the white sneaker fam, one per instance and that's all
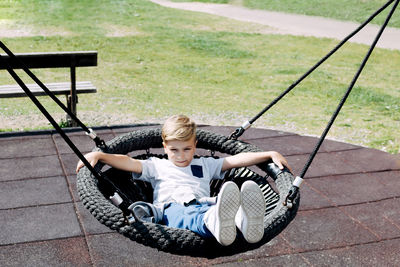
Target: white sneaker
(220, 218)
(250, 217)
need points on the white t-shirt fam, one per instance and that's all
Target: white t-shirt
(180, 184)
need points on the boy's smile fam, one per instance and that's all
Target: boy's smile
(180, 152)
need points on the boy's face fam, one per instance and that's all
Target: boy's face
(180, 152)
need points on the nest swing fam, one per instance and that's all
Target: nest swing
(96, 198)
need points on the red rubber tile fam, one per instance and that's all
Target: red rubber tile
(385, 253)
(311, 199)
(70, 161)
(324, 229)
(31, 147)
(72, 183)
(356, 188)
(381, 217)
(90, 223)
(324, 164)
(347, 162)
(30, 167)
(62, 252)
(368, 160)
(34, 191)
(38, 223)
(283, 260)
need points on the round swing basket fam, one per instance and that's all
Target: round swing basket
(274, 183)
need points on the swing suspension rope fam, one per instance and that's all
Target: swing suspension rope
(238, 132)
(246, 125)
(299, 179)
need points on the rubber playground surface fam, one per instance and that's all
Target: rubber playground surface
(349, 212)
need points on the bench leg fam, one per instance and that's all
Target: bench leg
(73, 97)
(71, 104)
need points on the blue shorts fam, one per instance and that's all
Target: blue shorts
(187, 217)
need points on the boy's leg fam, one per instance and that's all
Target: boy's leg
(187, 217)
(220, 218)
(250, 217)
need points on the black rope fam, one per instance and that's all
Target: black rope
(343, 100)
(99, 142)
(239, 131)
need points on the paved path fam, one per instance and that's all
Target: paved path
(292, 24)
(349, 211)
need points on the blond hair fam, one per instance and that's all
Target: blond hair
(178, 127)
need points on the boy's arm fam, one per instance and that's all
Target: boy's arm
(121, 162)
(251, 158)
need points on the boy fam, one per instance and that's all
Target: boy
(181, 185)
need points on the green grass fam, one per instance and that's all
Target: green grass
(155, 62)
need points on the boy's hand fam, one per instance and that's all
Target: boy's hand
(92, 158)
(280, 160)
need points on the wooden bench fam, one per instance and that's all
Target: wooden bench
(71, 89)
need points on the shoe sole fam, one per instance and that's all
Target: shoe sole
(253, 206)
(228, 204)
